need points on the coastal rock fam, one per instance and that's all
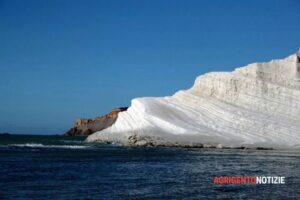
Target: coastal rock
(256, 106)
(85, 127)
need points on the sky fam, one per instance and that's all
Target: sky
(66, 59)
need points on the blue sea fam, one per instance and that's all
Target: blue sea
(59, 167)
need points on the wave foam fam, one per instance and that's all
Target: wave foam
(39, 145)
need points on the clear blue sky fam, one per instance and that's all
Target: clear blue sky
(65, 59)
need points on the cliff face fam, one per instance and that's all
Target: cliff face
(85, 127)
(254, 106)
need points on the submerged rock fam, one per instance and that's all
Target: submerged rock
(85, 127)
(256, 106)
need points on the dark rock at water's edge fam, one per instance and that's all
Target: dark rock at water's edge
(85, 127)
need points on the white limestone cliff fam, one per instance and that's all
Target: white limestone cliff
(254, 106)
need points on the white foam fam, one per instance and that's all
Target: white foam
(39, 145)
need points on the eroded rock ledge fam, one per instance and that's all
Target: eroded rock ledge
(85, 127)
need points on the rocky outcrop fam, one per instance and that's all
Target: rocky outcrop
(85, 127)
(256, 106)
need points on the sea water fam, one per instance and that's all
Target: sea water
(58, 167)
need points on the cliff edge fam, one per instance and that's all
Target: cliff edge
(85, 127)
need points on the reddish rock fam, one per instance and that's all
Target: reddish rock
(85, 127)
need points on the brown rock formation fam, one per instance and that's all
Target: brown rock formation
(85, 127)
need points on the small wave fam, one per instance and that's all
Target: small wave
(38, 145)
(71, 141)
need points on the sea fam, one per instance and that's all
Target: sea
(61, 167)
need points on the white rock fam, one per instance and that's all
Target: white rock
(254, 106)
